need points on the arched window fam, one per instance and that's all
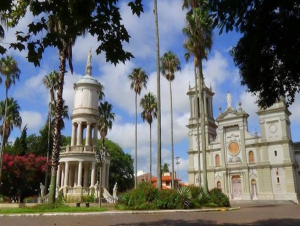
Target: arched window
(219, 185)
(217, 160)
(251, 157)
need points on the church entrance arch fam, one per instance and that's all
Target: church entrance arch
(236, 187)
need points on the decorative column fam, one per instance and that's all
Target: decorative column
(191, 107)
(86, 176)
(79, 134)
(58, 175)
(93, 173)
(221, 134)
(74, 133)
(88, 134)
(62, 177)
(95, 135)
(243, 145)
(79, 174)
(66, 174)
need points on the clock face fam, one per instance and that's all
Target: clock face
(234, 148)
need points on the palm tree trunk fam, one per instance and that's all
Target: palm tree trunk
(150, 157)
(135, 151)
(198, 116)
(57, 125)
(158, 101)
(48, 147)
(203, 136)
(3, 136)
(172, 142)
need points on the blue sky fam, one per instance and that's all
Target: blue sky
(219, 72)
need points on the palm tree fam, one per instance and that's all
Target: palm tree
(199, 42)
(10, 71)
(106, 117)
(65, 53)
(138, 80)
(169, 65)
(51, 82)
(10, 116)
(149, 104)
(159, 184)
(12, 119)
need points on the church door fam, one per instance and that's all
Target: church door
(236, 187)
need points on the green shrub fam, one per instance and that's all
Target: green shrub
(167, 199)
(88, 198)
(185, 197)
(217, 197)
(140, 198)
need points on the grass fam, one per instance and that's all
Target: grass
(47, 208)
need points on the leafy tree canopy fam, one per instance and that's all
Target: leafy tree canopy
(268, 52)
(121, 167)
(22, 176)
(100, 18)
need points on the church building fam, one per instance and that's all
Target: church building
(245, 166)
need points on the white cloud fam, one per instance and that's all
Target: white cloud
(33, 120)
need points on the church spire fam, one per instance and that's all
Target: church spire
(88, 70)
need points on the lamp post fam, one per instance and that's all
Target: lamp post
(100, 158)
(177, 164)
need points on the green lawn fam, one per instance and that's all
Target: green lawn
(46, 208)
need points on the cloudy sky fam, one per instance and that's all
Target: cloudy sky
(219, 72)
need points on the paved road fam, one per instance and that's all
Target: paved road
(262, 215)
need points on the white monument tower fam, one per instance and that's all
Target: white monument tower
(77, 172)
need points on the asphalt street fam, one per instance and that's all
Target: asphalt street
(260, 215)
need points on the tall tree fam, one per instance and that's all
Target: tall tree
(149, 104)
(138, 79)
(165, 168)
(199, 41)
(121, 167)
(106, 117)
(10, 71)
(267, 54)
(159, 184)
(23, 141)
(169, 65)
(5, 5)
(58, 23)
(51, 83)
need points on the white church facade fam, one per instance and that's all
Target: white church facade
(78, 170)
(245, 166)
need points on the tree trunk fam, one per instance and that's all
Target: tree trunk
(3, 136)
(135, 150)
(198, 116)
(172, 142)
(48, 148)
(57, 125)
(158, 101)
(203, 136)
(150, 157)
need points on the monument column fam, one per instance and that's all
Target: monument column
(93, 173)
(74, 128)
(88, 134)
(66, 174)
(58, 175)
(79, 174)
(86, 176)
(79, 134)
(95, 135)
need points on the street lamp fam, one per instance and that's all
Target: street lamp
(177, 164)
(101, 157)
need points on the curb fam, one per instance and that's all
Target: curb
(120, 212)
